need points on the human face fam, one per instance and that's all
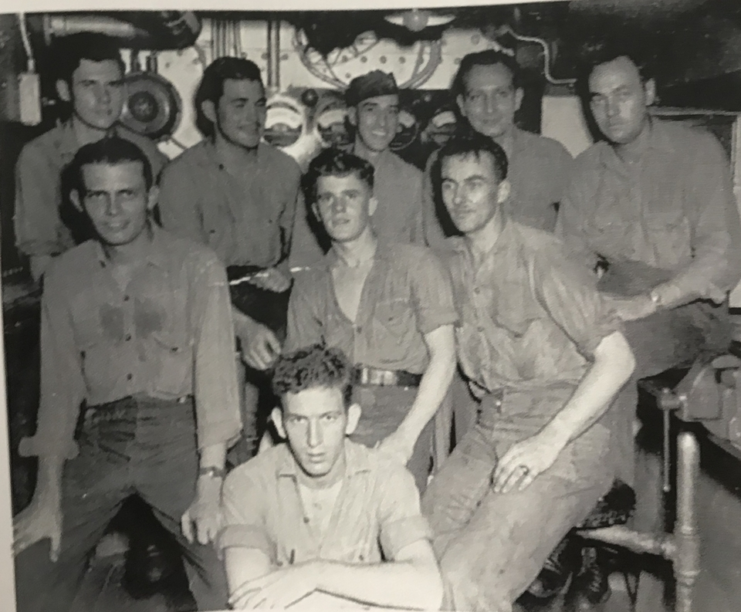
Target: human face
(96, 93)
(315, 422)
(490, 100)
(377, 121)
(471, 190)
(241, 111)
(117, 201)
(344, 205)
(619, 100)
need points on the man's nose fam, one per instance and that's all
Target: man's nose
(315, 434)
(113, 206)
(339, 205)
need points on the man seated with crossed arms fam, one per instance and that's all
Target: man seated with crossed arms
(320, 512)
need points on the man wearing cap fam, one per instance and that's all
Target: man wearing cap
(89, 73)
(238, 195)
(373, 110)
(487, 93)
(388, 306)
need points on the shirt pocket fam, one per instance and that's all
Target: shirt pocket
(669, 232)
(173, 357)
(394, 315)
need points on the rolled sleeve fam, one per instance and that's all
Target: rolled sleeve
(569, 294)
(400, 519)
(243, 511)
(62, 383)
(215, 376)
(432, 293)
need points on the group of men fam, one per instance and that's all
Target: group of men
(550, 280)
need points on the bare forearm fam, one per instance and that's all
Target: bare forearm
(49, 478)
(612, 367)
(213, 456)
(402, 584)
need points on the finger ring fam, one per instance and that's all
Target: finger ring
(525, 469)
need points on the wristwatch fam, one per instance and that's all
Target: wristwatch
(212, 472)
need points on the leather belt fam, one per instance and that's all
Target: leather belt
(364, 375)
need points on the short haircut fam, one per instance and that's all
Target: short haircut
(211, 87)
(594, 53)
(311, 367)
(488, 57)
(68, 52)
(473, 144)
(111, 151)
(334, 162)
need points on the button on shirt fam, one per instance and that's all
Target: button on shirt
(376, 513)
(246, 220)
(39, 230)
(539, 170)
(530, 316)
(673, 209)
(167, 335)
(406, 295)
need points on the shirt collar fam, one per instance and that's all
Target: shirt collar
(658, 140)
(356, 460)
(67, 143)
(156, 253)
(213, 156)
(459, 245)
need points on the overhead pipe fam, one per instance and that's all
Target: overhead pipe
(274, 55)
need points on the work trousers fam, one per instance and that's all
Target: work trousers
(132, 446)
(491, 546)
(383, 409)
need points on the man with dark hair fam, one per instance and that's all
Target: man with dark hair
(652, 207)
(547, 358)
(487, 93)
(388, 306)
(238, 195)
(320, 513)
(89, 79)
(136, 328)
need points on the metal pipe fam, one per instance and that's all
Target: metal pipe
(636, 541)
(686, 531)
(274, 55)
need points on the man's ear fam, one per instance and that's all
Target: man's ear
(209, 110)
(518, 98)
(353, 416)
(505, 188)
(352, 116)
(74, 195)
(152, 197)
(649, 87)
(459, 100)
(277, 417)
(63, 90)
(372, 206)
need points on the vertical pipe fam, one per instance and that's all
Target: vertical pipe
(686, 532)
(273, 55)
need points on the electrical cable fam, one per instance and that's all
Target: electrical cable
(31, 62)
(546, 54)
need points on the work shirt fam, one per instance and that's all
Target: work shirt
(530, 314)
(397, 186)
(538, 173)
(406, 295)
(673, 209)
(376, 513)
(39, 229)
(167, 335)
(246, 220)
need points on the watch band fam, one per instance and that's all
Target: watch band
(212, 472)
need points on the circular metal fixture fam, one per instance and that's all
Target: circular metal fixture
(152, 107)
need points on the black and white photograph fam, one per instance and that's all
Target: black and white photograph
(371, 305)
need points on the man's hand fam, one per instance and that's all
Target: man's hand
(41, 519)
(260, 346)
(279, 589)
(633, 308)
(203, 519)
(271, 279)
(525, 460)
(398, 445)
